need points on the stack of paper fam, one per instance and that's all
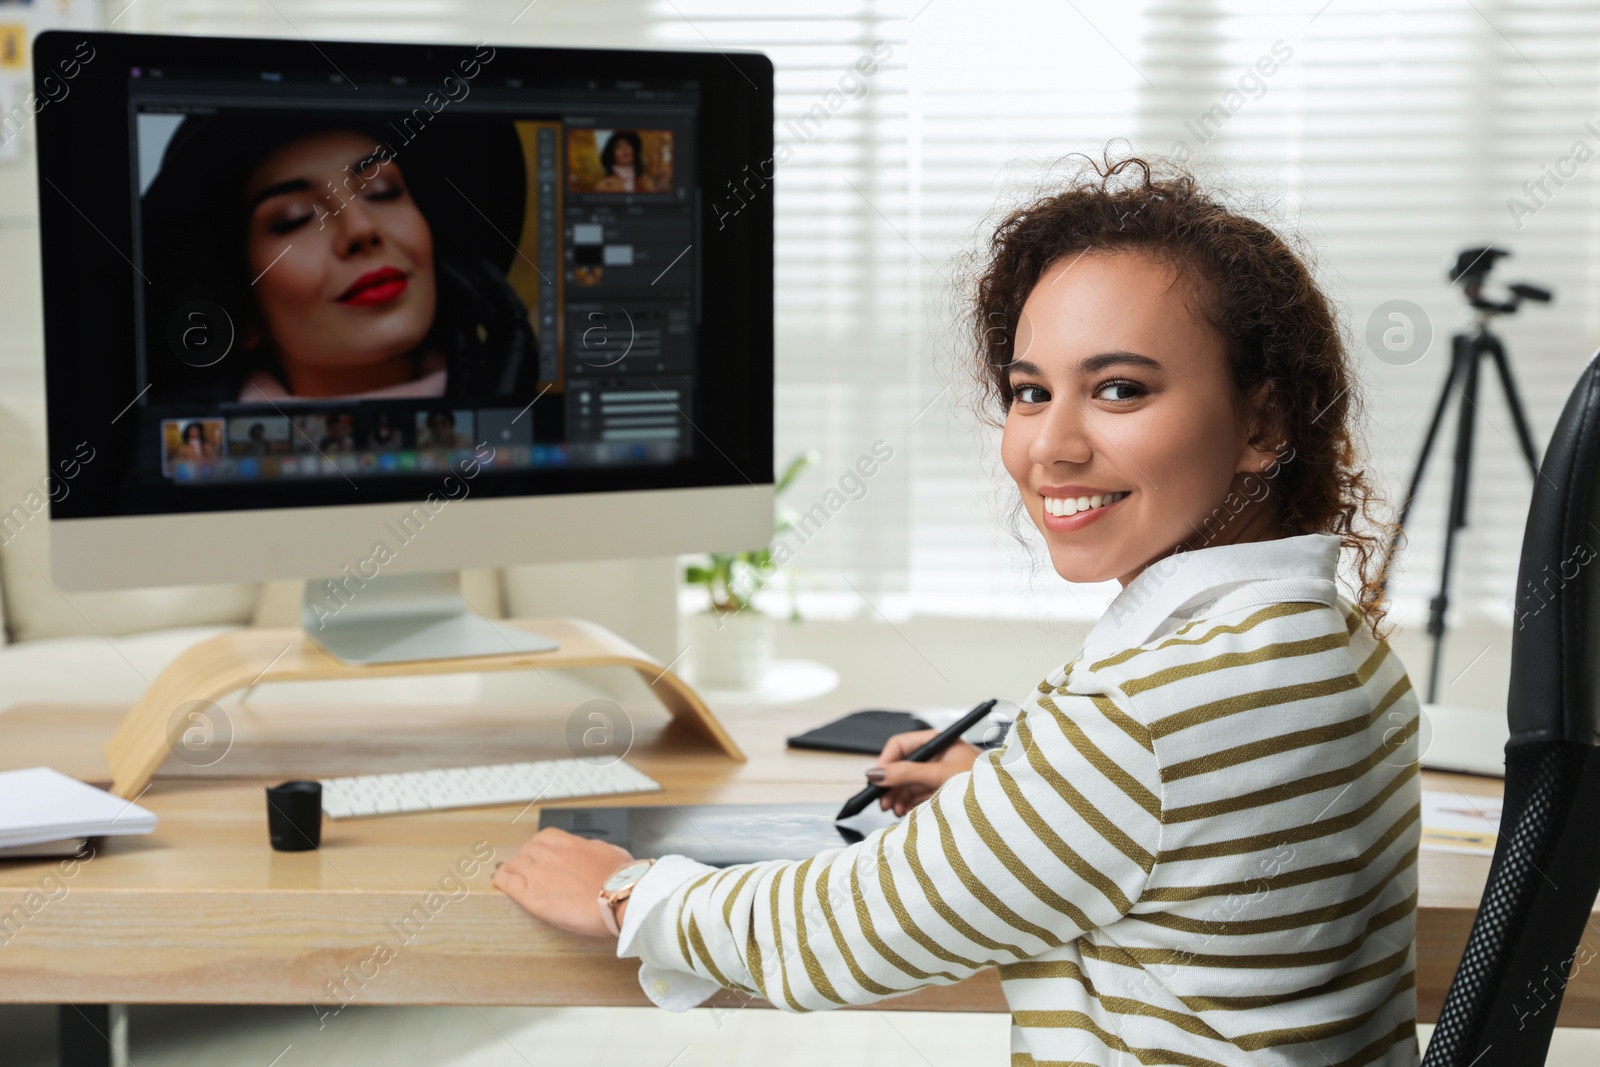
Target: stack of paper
(39, 806)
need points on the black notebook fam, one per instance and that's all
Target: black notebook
(865, 732)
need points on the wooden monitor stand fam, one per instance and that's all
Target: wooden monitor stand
(245, 658)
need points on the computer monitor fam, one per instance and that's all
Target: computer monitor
(350, 311)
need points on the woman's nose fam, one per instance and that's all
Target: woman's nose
(1063, 437)
(357, 229)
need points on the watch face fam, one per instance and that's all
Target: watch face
(627, 875)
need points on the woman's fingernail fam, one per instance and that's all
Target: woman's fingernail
(874, 774)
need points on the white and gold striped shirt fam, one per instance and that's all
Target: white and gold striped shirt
(1198, 846)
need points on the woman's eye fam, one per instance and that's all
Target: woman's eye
(1029, 394)
(289, 222)
(1115, 391)
(385, 191)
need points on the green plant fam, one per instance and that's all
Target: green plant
(732, 579)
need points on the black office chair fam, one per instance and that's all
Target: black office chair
(1533, 926)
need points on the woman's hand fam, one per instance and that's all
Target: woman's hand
(909, 784)
(557, 877)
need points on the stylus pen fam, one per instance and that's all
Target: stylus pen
(925, 752)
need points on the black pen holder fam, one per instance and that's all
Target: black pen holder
(294, 816)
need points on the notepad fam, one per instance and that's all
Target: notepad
(39, 804)
(67, 846)
(1455, 822)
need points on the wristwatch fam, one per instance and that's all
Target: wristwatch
(617, 888)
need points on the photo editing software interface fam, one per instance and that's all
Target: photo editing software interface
(417, 276)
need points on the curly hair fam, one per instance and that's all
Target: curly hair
(1278, 328)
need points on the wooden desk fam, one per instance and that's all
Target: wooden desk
(203, 911)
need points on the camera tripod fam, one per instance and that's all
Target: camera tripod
(1468, 350)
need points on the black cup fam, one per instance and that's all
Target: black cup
(294, 816)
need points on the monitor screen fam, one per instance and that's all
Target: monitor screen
(283, 276)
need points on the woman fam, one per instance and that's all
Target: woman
(441, 430)
(339, 434)
(623, 158)
(344, 287)
(348, 270)
(1199, 843)
(256, 441)
(385, 435)
(194, 442)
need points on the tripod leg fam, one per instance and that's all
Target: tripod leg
(1519, 415)
(1422, 465)
(1460, 475)
(1470, 348)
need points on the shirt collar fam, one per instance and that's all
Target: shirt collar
(1186, 580)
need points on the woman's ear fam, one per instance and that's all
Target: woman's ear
(1266, 439)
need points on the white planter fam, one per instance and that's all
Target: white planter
(729, 650)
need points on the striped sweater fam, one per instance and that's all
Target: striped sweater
(1198, 846)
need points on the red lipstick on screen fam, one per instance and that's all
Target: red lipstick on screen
(375, 287)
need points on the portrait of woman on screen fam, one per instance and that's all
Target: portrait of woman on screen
(341, 265)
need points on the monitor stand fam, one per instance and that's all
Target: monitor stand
(404, 618)
(249, 656)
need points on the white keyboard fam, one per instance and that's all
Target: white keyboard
(472, 787)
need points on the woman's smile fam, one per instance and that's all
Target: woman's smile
(1070, 508)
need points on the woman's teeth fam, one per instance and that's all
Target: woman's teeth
(1057, 505)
